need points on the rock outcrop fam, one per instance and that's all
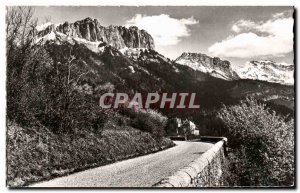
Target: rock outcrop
(210, 65)
(91, 30)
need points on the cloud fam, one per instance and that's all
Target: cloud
(273, 37)
(242, 24)
(164, 29)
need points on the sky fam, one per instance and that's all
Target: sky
(237, 34)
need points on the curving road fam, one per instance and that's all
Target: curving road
(142, 171)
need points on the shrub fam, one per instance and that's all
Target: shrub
(264, 144)
(148, 120)
(156, 115)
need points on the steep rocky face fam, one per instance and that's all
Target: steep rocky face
(91, 30)
(213, 66)
(267, 70)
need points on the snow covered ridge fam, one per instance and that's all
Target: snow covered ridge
(58, 38)
(269, 71)
(45, 25)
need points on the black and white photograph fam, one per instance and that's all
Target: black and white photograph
(159, 97)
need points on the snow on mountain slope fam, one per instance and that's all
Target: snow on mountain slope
(58, 38)
(269, 71)
(43, 26)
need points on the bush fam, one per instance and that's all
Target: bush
(148, 120)
(263, 144)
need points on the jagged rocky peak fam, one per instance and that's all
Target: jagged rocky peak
(91, 30)
(211, 65)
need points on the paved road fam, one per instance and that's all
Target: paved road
(142, 171)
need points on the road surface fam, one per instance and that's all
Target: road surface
(142, 171)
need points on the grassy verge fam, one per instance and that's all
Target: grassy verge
(36, 154)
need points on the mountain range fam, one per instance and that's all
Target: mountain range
(130, 41)
(124, 59)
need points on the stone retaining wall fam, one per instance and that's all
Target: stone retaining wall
(206, 171)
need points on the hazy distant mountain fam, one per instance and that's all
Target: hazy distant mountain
(269, 71)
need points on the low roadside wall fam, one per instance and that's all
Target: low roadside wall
(206, 171)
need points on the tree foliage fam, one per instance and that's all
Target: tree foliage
(42, 89)
(263, 144)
